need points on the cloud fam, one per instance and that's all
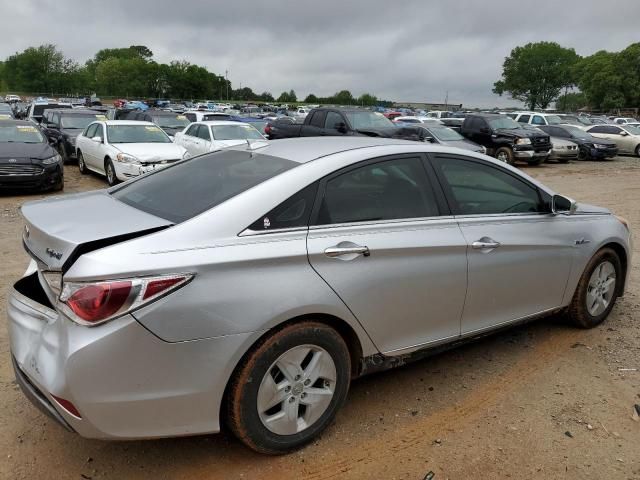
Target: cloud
(414, 50)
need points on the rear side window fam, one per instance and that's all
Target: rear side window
(190, 187)
(293, 212)
(332, 120)
(524, 118)
(481, 189)
(388, 190)
(317, 120)
(538, 120)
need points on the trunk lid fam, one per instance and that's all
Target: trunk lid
(60, 229)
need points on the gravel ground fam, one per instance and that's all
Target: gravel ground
(543, 400)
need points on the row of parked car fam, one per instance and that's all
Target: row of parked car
(122, 143)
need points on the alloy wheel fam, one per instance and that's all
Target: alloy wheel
(602, 286)
(296, 390)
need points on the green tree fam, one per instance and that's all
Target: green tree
(536, 73)
(571, 102)
(285, 97)
(311, 98)
(266, 97)
(367, 100)
(40, 69)
(344, 97)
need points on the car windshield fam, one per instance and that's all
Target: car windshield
(190, 187)
(219, 116)
(504, 122)
(364, 120)
(169, 121)
(79, 121)
(554, 120)
(445, 134)
(235, 132)
(20, 134)
(136, 134)
(577, 133)
(632, 129)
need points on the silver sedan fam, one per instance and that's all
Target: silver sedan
(249, 286)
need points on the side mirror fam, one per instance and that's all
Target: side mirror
(561, 205)
(623, 133)
(430, 139)
(341, 127)
(97, 139)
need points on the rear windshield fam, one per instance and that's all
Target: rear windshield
(190, 187)
(80, 121)
(171, 121)
(235, 132)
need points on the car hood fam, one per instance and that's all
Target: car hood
(152, 152)
(561, 142)
(59, 229)
(522, 132)
(25, 152)
(464, 144)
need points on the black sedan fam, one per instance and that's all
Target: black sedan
(590, 147)
(27, 161)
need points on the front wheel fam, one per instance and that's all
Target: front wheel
(289, 387)
(110, 172)
(597, 290)
(505, 155)
(81, 165)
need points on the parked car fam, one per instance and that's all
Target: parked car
(170, 122)
(27, 161)
(506, 139)
(537, 119)
(563, 150)
(406, 120)
(439, 114)
(124, 149)
(205, 137)
(442, 135)
(206, 116)
(35, 109)
(330, 121)
(582, 122)
(10, 98)
(623, 120)
(301, 112)
(62, 127)
(589, 147)
(220, 289)
(626, 137)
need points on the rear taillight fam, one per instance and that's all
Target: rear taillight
(267, 129)
(92, 303)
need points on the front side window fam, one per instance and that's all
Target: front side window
(203, 133)
(91, 130)
(192, 131)
(481, 189)
(524, 118)
(388, 190)
(332, 121)
(317, 120)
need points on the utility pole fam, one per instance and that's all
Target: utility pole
(446, 101)
(226, 77)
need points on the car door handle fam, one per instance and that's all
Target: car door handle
(338, 251)
(485, 243)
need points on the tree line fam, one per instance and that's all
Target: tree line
(543, 72)
(132, 72)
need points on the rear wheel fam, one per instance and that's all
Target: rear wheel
(81, 165)
(638, 151)
(110, 172)
(289, 387)
(597, 290)
(505, 155)
(536, 161)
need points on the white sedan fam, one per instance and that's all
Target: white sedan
(124, 149)
(204, 137)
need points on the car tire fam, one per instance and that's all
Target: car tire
(110, 172)
(62, 151)
(638, 150)
(597, 290)
(81, 165)
(583, 155)
(505, 154)
(537, 161)
(318, 366)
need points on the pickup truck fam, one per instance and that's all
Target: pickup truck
(506, 139)
(327, 121)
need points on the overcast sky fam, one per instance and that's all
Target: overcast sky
(409, 50)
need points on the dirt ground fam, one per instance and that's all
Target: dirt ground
(540, 401)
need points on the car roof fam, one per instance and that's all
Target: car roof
(76, 111)
(222, 122)
(306, 149)
(126, 122)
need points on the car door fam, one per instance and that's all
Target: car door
(333, 123)
(188, 139)
(626, 143)
(383, 241)
(204, 139)
(315, 125)
(99, 149)
(89, 147)
(519, 255)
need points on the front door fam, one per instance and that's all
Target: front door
(519, 254)
(381, 244)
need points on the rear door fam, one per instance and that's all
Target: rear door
(315, 125)
(519, 254)
(385, 244)
(332, 122)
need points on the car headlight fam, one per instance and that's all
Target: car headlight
(523, 141)
(51, 160)
(600, 145)
(126, 158)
